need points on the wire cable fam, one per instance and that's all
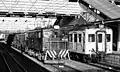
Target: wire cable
(15, 3)
(33, 4)
(5, 5)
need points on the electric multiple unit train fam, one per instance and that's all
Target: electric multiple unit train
(90, 42)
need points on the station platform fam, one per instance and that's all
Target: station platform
(82, 66)
(48, 67)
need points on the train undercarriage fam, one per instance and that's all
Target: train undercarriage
(87, 58)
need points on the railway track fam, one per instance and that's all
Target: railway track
(113, 66)
(4, 66)
(12, 65)
(105, 67)
(60, 68)
(64, 68)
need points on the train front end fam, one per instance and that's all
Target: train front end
(55, 48)
(98, 43)
(98, 40)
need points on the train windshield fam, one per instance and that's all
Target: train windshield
(108, 37)
(99, 38)
(75, 37)
(80, 36)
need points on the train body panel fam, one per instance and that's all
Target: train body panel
(33, 40)
(43, 44)
(97, 40)
(76, 46)
(47, 37)
(19, 41)
(90, 41)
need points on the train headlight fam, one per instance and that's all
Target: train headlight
(56, 27)
(110, 67)
(36, 54)
(101, 26)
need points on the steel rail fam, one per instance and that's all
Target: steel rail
(19, 65)
(65, 68)
(105, 67)
(5, 62)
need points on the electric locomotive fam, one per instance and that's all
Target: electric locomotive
(90, 43)
(45, 44)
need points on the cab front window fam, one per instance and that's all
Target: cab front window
(99, 38)
(108, 37)
(91, 38)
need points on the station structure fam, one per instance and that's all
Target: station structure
(18, 15)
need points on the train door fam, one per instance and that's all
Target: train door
(100, 41)
(74, 41)
(80, 43)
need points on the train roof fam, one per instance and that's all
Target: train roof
(39, 29)
(79, 21)
(81, 27)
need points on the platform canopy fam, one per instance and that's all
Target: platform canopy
(40, 6)
(34, 7)
(16, 24)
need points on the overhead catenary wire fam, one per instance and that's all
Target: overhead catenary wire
(33, 4)
(15, 3)
(4, 4)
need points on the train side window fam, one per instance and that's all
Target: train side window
(75, 37)
(36, 34)
(39, 34)
(80, 37)
(91, 38)
(99, 38)
(70, 37)
(32, 35)
(26, 35)
(29, 35)
(108, 37)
